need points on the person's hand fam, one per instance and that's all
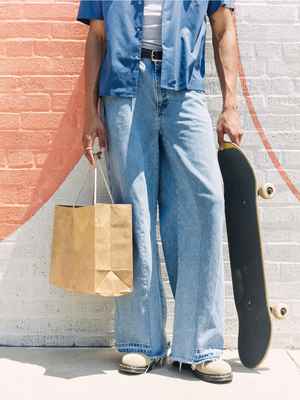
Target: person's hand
(93, 127)
(229, 123)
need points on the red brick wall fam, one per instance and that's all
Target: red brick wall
(41, 50)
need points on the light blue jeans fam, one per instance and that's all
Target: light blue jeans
(162, 156)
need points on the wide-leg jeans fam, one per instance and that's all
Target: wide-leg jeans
(162, 158)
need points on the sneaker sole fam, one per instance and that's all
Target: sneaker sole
(140, 370)
(224, 378)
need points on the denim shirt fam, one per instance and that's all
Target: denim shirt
(183, 42)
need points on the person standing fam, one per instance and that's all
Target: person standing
(146, 102)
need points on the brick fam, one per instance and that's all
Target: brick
(9, 121)
(53, 12)
(19, 48)
(283, 68)
(269, 51)
(49, 84)
(40, 66)
(19, 176)
(283, 251)
(59, 102)
(41, 120)
(25, 29)
(19, 159)
(264, 14)
(8, 84)
(15, 194)
(283, 104)
(12, 214)
(69, 31)
(278, 33)
(10, 11)
(36, 139)
(54, 48)
(37, 102)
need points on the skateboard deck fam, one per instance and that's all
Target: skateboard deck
(246, 255)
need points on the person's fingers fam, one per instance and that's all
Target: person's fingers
(102, 141)
(106, 139)
(87, 142)
(102, 137)
(220, 137)
(241, 137)
(89, 155)
(234, 138)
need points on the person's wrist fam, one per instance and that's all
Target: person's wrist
(230, 102)
(91, 111)
(230, 107)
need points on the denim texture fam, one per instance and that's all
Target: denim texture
(183, 36)
(162, 158)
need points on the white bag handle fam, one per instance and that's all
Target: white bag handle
(97, 156)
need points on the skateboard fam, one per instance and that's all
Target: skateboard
(246, 254)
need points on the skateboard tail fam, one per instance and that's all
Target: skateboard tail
(253, 344)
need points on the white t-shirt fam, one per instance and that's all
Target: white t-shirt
(152, 24)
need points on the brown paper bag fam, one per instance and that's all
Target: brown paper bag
(92, 247)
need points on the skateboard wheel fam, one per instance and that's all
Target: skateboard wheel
(279, 311)
(266, 191)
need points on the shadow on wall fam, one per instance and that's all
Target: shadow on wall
(29, 187)
(35, 312)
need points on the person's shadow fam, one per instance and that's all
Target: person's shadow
(76, 362)
(65, 363)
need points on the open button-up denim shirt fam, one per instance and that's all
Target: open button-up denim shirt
(183, 42)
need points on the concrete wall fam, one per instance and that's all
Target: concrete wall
(41, 57)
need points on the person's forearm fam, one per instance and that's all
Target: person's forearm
(226, 60)
(94, 51)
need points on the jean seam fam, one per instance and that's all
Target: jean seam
(159, 277)
(154, 85)
(149, 288)
(162, 292)
(207, 355)
(149, 308)
(167, 143)
(196, 308)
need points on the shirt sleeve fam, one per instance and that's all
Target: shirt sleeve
(88, 10)
(213, 5)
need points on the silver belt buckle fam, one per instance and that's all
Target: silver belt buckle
(152, 53)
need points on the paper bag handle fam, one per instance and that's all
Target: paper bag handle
(97, 156)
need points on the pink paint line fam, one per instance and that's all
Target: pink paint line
(261, 131)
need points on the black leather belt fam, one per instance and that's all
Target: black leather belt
(155, 55)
